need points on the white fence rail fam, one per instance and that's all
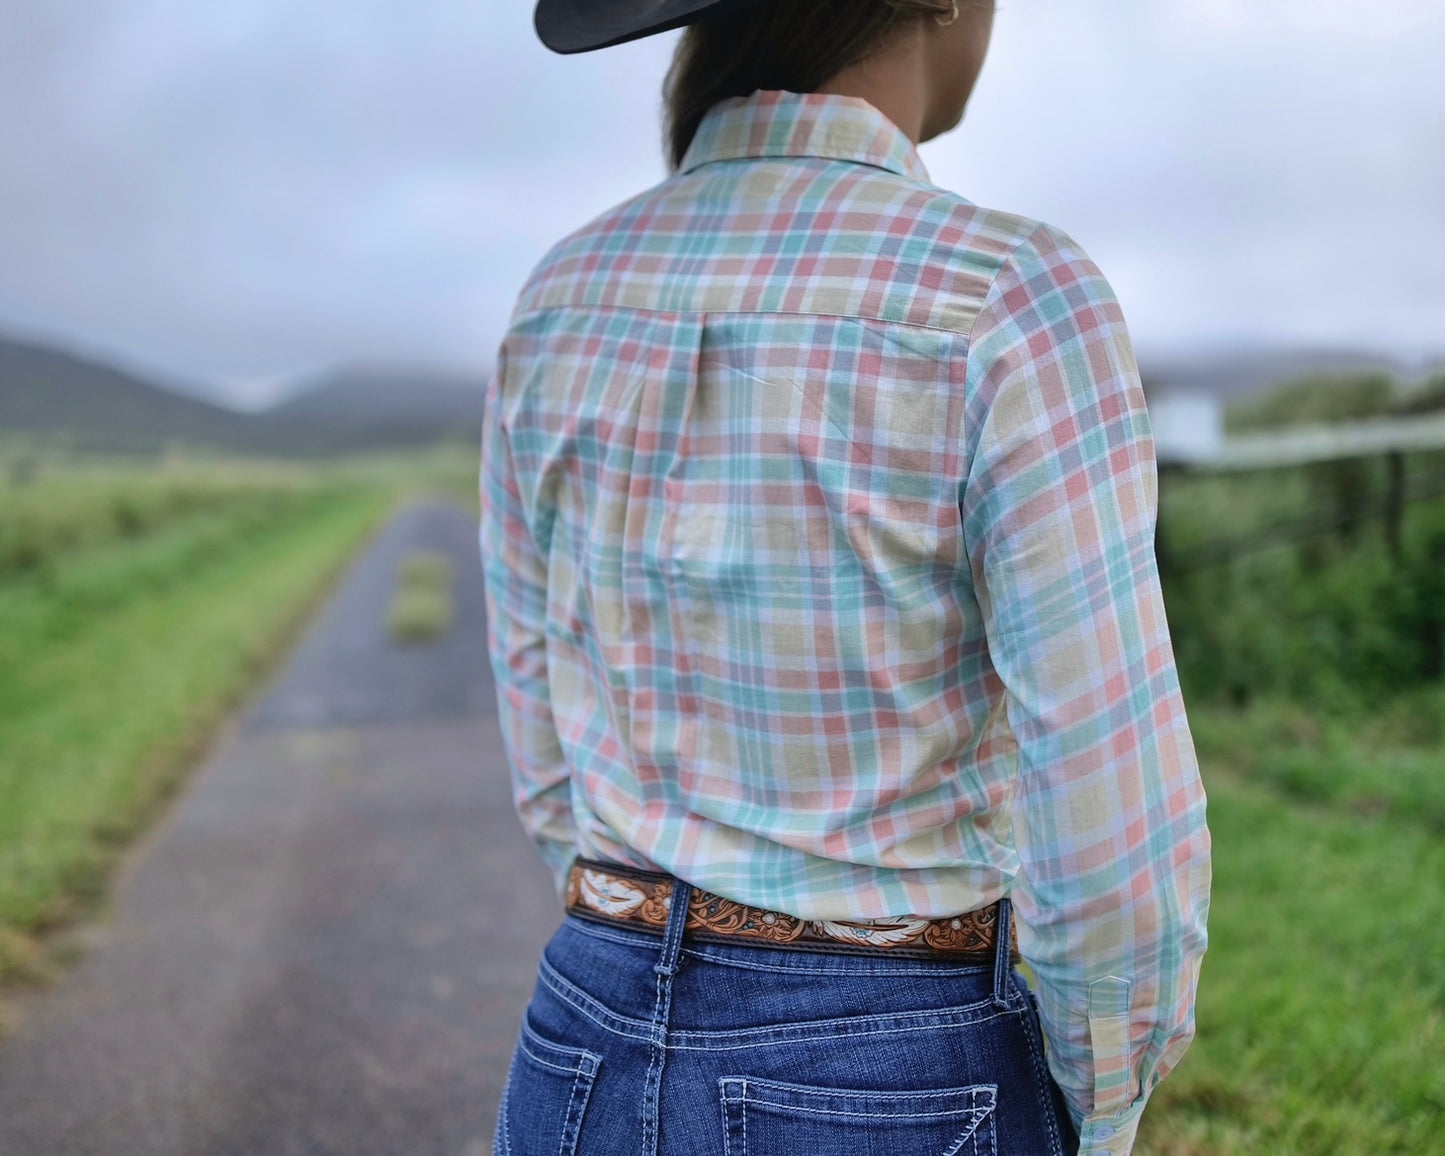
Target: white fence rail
(1301, 444)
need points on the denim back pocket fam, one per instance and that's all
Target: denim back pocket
(767, 1118)
(545, 1096)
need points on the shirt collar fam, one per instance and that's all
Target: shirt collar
(775, 123)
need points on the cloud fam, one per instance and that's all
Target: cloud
(1270, 171)
(242, 192)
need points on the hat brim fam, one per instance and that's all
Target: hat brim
(569, 26)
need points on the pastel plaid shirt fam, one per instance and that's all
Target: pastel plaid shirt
(818, 512)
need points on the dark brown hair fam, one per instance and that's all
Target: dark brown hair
(793, 45)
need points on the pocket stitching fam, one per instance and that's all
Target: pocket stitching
(576, 1109)
(967, 1115)
(730, 1110)
(1033, 1036)
(504, 1126)
(972, 1137)
(586, 1063)
(584, 1075)
(735, 1096)
(990, 1091)
(536, 1059)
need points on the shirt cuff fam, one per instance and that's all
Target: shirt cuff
(1110, 1134)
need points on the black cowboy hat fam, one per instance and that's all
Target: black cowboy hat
(569, 26)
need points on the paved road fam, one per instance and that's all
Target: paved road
(327, 944)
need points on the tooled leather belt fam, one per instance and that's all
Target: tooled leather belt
(614, 893)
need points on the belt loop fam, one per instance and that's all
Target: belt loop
(666, 968)
(676, 920)
(1001, 947)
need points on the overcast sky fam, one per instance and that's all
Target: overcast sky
(238, 194)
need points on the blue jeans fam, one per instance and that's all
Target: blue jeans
(638, 1044)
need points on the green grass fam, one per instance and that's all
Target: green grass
(1316, 700)
(116, 666)
(1321, 1011)
(1326, 622)
(140, 600)
(1387, 763)
(1322, 992)
(56, 511)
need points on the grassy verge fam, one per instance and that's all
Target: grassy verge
(1388, 762)
(1322, 993)
(61, 510)
(117, 670)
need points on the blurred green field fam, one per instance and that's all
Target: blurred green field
(139, 601)
(1311, 670)
(1320, 999)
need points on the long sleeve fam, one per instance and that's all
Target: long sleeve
(1059, 508)
(515, 575)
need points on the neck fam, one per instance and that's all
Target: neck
(893, 80)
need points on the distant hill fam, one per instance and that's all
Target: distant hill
(50, 391)
(100, 408)
(399, 405)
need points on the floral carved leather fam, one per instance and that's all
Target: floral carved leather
(616, 893)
